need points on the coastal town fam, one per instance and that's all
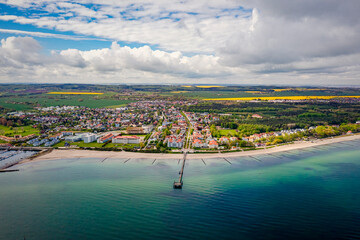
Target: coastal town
(147, 126)
(182, 119)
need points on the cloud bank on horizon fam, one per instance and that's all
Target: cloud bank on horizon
(299, 42)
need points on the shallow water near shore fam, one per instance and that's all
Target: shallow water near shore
(310, 193)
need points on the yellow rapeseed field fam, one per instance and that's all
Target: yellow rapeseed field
(86, 93)
(282, 89)
(187, 86)
(298, 89)
(279, 98)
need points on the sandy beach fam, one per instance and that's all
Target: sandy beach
(74, 153)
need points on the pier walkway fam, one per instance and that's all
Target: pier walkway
(180, 182)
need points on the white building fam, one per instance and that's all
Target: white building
(66, 133)
(73, 138)
(89, 138)
(126, 139)
(175, 143)
(148, 128)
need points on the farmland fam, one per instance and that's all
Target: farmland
(279, 98)
(43, 100)
(27, 97)
(19, 97)
(231, 93)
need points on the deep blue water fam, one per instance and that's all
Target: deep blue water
(303, 194)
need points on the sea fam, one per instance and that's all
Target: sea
(312, 193)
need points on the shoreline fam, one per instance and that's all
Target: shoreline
(75, 153)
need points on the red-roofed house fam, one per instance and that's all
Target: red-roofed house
(224, 140)
(213, 144)
(256, 116)
(197, 143)
(105, 138)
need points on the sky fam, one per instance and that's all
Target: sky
(252, 42)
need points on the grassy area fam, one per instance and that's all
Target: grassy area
(14, 106)
(79, 144)
(225, 132)
(24, 131)
(122, 145)
(96, 145)
(118, 106)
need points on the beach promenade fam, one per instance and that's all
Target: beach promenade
(74, 153)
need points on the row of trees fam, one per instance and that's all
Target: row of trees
(242, 130)
(10, 122)
(318, 132)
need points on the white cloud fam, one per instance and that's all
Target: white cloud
(279, 41)
(275, 40)
(20, 54)
(117, 58)
(47, 35)
(186, 26)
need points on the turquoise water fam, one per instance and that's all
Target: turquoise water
(312, 194)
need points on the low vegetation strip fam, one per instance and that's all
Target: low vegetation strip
(203, 86)
(209, 86)
(84, 93)
(298, 89)
(179, 91)
(279, 98)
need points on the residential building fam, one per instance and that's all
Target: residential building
(147, 128)
(126, 139)
(213, 144)
(75, 138)
(105, 138)
(89, 138)
(175, 143)
(134, 130)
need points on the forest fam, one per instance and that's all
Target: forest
(277, 116)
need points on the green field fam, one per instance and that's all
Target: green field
(46, 100)
(227, 132)
(24, 131)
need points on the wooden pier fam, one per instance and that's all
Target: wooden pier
(8, 170)
(179, 184)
